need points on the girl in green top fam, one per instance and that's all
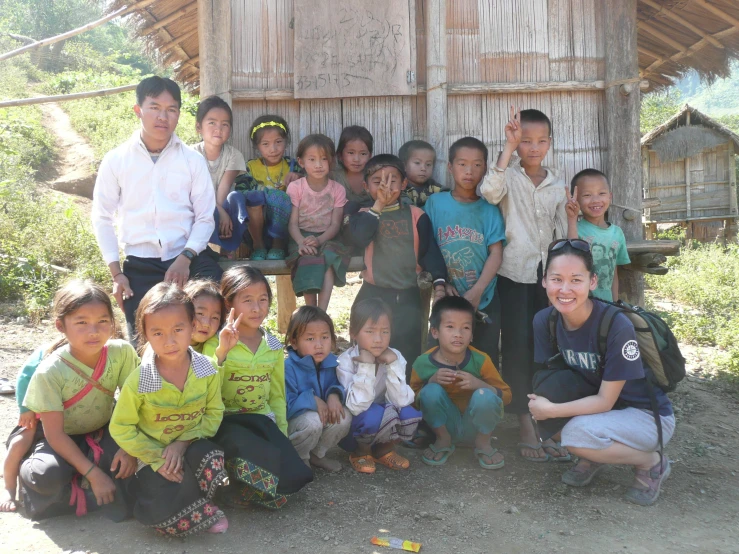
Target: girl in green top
(168, 409)
(209, 310)
(72, 392)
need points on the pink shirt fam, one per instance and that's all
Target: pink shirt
(315, 208)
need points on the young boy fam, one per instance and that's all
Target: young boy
(471, 234)
(458, 388)
(532, 199)
(161, 192)
(592, 194)
(419, 157)
(398, 244)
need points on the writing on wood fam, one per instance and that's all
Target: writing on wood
(349, 48)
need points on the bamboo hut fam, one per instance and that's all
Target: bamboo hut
(459, 65)
(689, 167)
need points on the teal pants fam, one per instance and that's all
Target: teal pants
(484, 412)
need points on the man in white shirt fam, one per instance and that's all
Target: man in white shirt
(161, 192)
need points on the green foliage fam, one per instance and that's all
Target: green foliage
(658, 107)
(718, 99)
(46, 18)
(703, 281)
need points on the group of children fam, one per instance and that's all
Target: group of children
(214, 409)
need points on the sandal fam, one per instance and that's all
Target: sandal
(557, 457)
(6, 386)
(276, 254)
(259, 255)
(447, 450)
(480, 453)
(393, 460)
(532, 458)
(647, 483)
(363, 464)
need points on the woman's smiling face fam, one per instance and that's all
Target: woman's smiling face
(568, 283)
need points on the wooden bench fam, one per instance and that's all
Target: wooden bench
(646, 256)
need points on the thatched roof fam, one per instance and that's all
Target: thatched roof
(697, 119)
(674, 36)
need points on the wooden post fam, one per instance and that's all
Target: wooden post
(622, 127)
(646, 212)
(687, 174)
(436, 116)
(733, 208)
(214, 37)
(286, 301)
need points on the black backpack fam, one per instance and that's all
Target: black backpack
(664, 365)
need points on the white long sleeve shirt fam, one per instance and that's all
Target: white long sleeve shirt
(534, 217)
(161, 208)
(363, 386)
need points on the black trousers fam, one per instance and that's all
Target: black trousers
(405, 334)
(144, 273)
(519, 303)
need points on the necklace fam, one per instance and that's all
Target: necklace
(445, 360)
(278, 184)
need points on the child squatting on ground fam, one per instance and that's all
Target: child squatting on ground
(167, 412)
(591, 194)
(373, 376)
(318, 262)
(316, 417)
(532, 199)
(458, 388)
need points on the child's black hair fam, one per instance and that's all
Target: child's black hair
(161, 296)
(355, 132)
(321, 141)
(407, 150)
(265, 122)
(586, 257)
(451, 304)
(300, 320)
(210, 103)
(468, 142)
(535, 116)
(369, 309)
(237, 278)
(154, 86)
(376, 163)
(590, 172)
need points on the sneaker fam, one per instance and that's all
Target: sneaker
(647, 483)
(581, 474)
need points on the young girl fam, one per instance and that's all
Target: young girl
(166, 412)
(373, 375)
(261, 461)
(353, 152)
(268, 175)
(318, 262)
(209, 310)
(72, 392)
(597, 433)
(213, 123)
(316, 417)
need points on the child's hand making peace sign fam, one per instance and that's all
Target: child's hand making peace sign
(573, 206)
(513, 129)
(228, 337)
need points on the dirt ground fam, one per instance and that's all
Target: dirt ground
(456, 508)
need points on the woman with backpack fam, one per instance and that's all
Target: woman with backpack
(605, 400)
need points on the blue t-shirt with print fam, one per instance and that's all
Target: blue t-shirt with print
(579, 349)
(464, 231)
(608, 247)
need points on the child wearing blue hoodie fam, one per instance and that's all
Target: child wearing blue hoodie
(316, 417)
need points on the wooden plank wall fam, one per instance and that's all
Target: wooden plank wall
(502, 41)
(709, 186)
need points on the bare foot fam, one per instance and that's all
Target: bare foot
(528, 437)
(439, 444)
(7, 501)
(332, 466)
(487, 453)
(551, 448)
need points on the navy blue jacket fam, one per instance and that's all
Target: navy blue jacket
(303, 381)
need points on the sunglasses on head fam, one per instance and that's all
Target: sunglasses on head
(577, 244)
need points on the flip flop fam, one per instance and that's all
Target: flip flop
(558, 459)
(448, 451)
(259, 255)
(6, 386)
(533, 447)
(363, 464)
(480, 453)
(276, 254)
(393, 460)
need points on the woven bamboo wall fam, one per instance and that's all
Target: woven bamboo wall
(502, 41)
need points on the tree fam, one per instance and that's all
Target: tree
(658, 107)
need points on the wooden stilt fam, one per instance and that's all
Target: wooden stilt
(286, 302)
(436, 112)
(214, 36)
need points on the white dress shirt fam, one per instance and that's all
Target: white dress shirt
(162, 208)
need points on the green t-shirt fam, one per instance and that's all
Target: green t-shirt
(54, 383)
(608, 247)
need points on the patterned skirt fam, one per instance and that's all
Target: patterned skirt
(186, 508)
(307, 272)
(263, 466)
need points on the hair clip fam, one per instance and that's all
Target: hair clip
(267, 124)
